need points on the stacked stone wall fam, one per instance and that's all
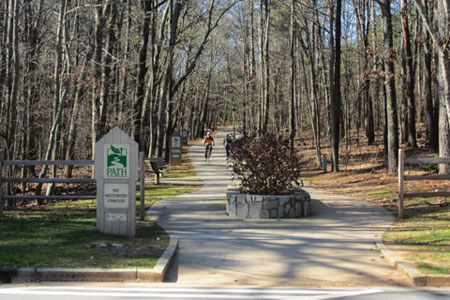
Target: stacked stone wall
(267, 206)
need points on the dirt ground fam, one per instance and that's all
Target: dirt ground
(423, 237)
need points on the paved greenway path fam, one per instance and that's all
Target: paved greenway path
(333, 247)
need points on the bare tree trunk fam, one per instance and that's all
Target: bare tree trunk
(12, 73)
(313, 94)
(124, 81)
(175, 9)
(253, 55)
(262, 69)
(71, 137)
(292, 117)
(391, 107)
(431, 120)
(153, 86)
(205, 102)
(247, 74)
(31, 78)
(4, 21)
(410, 77)
(110, 12)
(439, 33)
(403, 126)
(362, 12)
(444, 136)
(335, 89)
(141, 105)
(60, 95)
(266, 84)
(97, 63)
(375, 68)
(12, 84)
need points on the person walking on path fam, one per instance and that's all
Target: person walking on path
(226, 142)
(209, 143)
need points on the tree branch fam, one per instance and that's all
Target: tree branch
(210, 29)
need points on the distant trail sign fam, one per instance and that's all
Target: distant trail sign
(116, 165)
(175, 147)
(185, 136)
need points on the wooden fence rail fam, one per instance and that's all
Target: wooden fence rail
(402, 161)
(141, 179)
(44, 180)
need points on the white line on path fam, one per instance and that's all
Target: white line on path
(188, 293)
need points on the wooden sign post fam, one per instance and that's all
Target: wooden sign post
(116, 165)
(185, 135)
(175, 149)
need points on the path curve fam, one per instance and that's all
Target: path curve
(332, 247)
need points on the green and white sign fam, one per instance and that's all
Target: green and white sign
(117, 160)
(116, 172)
(116, 217)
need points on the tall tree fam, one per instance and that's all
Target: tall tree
(391, 104)
(175, 7)
(430, 108)
(292, 116)
(96, 117)
(335, 86)
(140, 106)
(439, 32)
(408, 76)
(362, 12)
(12, 74)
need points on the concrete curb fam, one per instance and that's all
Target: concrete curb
(416, 277)
(156, 274)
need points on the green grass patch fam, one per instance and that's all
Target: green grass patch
(427, 268)
(386, 192)
(64, 234)
(185, 170)
(195, 179)
(423, 236)
(155, 192)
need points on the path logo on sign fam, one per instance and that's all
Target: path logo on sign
(116, 161)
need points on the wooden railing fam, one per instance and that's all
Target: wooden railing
(402, 161)
(46, 180)
(3, 163)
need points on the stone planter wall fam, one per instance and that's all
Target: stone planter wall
(267, 206)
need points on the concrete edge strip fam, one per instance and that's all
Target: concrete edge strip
(416, 277)
(157, 274)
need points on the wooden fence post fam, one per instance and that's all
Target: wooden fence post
(401, 181)
(1, 185)
(142, 185)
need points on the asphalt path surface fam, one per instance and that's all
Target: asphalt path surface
(334, 247)
(175, 292)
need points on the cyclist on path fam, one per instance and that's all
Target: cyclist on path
(209, 143)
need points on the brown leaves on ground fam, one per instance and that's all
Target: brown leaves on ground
(363, 173)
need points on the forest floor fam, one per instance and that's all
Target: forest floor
(423, 236)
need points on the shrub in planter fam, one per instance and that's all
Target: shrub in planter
(265, 165)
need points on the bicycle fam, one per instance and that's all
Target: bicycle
(208, 151)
